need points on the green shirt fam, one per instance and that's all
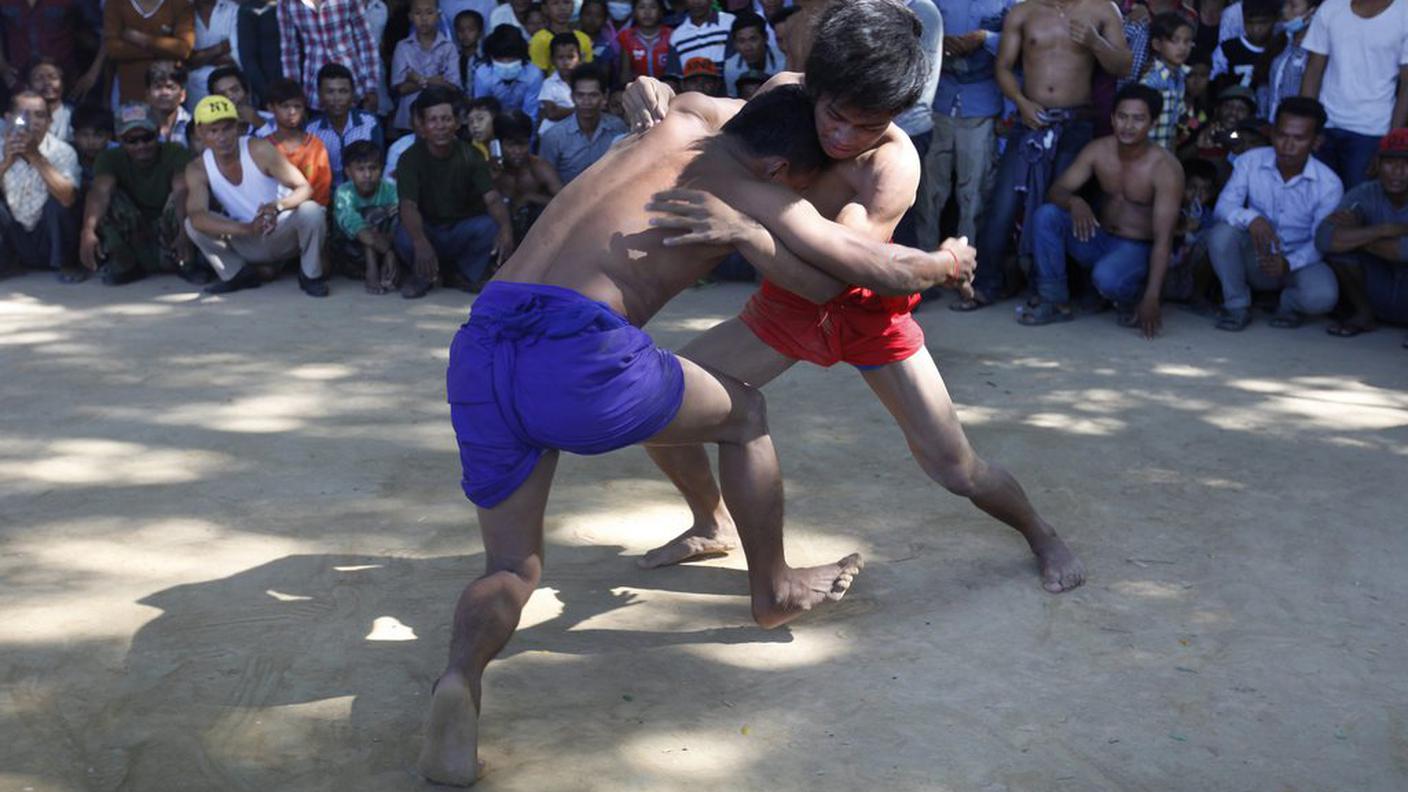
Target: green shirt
(444, 190)
(147, 185)
(348, 205)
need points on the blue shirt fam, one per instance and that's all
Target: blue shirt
(1295, 208)
(518, 94)
(568, 149)
(967, 87)
(360, 126)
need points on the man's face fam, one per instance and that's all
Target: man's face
(365, 175)
(559, 12)
(592, 18)
(335, 96)
(290, 114)
(706, 84)
(467, 33)
(91, 142)
(1232, 112)
(1131, 122)
(1175, 50)
(425, 16)
(165, 96)
(1258, 29)
(697, 9)
(588, 98)
(140, 145)
(47, 81)
(771, 7)
(221, 137)
(1293, 139)
(565, 59)
(1393, 174)
(481, 125)
(515, 153)
(648, 13)
(846, 132)
(439, 124)
(231, 88)
(751, 44)
(36, 113)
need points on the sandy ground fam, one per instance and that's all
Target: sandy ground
(231, 535)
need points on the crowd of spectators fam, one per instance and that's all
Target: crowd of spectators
(1097, 154)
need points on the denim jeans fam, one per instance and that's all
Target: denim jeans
(465, 243)
(1348, 154)
(1386, 283)
(1312, 289)
(1119, 267)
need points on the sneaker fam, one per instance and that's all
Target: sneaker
(313, 287)
(244, 279)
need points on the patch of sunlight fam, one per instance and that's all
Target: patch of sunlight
(1149, 589)
(1258, 385)
(620, 523)
(30, 338)
(97, 462)
(690, 755)
(692, 324)
(1223, 484)
(542, 607)
(390, 628)
(23, 782)
(357, 567)
(265, 414)
(179, 297)
(322, 371)
(810, 644)
(977, 414)
(134, 309)
(1207, 617)
(1092, 427)
(1034, 362)
(1097, 400)
(282, 597)
(24, 305)
(1283, 412)
(1181, 370)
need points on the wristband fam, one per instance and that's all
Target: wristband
(954, 275)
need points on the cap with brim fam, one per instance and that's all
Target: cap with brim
(135, 115)
(1394, 144)
(697, 67)
(215, 108)
(1238, 92)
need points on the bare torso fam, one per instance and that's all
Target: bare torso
(522, 183)
(1056, 69)
(1128, 186)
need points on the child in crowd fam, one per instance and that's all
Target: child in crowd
(364, 215)
(469, 29)
(645, 45)
(555, 98)
(478, 125)
(46, 78)
(166, 93)
(426, 57)
(1189, 273)
(1197, 104)
(526, 182)
(594, 19)
(559, 14)
(1285, 61)
(92, 135)
(305, 151)
(1171, 40)
(230, 82)
(536, 21)
(748, 84)
(341, 124)
(1235, 61)
(508, 76)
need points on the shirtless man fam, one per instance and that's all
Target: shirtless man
(526, 181)
(552, 359)
(866, 66)
(1058, 43)
(1127, 249)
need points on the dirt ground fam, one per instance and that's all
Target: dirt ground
(231, 535)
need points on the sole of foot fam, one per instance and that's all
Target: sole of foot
(692, 545)
(450, 754)
(805, 589)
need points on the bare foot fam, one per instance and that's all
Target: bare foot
(375, 287)
(450, 752)
(800, 590)
(1061, 570)
(700, 541)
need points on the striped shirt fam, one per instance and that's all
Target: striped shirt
(709, 40)
(360, 126)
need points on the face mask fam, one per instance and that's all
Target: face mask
(618, 11)
(1295, 25)
(508, 72)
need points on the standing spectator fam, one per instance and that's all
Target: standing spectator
(508, 76)
(1235, 61)
(39, 179)
(426, 57)
(138, 32)
(166, 93)
(559, 23)
(527, 182)
(449, 208)
(469, 30)
(92, 135)
(135, 210)
(260, 45)
(1287, 58)
(594, 19)
(513, 13)
(572, 146)
(341, 124)
(266, 209)
(703, 33)
(364, 214)
(1267, 216)
(751, 51)
(555, 98)
(47, 79)
(314, 33)
(1358, 69)
(645, 45)
(34, 29)
(302, 149)
(1171, 38)
(919, 226)
(230, 82)
(217, 44)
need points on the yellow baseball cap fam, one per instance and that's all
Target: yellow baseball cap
(215, 108)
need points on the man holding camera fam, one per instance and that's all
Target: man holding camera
(39, 178)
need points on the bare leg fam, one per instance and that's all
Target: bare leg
(390, 269)
(373, 278)
(485, 618)
(722, 410)
(914, 393)
(732, 349)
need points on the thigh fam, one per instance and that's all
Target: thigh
(914, 393)
(974, 144)
(732, 349)
(512, 531)
(715, 408)
(940, 157)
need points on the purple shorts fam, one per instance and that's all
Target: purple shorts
(542, 367)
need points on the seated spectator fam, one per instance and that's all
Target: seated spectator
(301, 148)
(138, 32)
(47, 79)
(1235, 61)
(702, 76)
(555, 98)
(217, 43)
(527, 182)
(1171, 40)
(267, 212)
(313, 35)
(513, 13)
(92, 135)
(572, 146)
(508, 76)
(166, 94)
(749, 82)
(559, 23)
(1286, 59)
(449, 208)
(39, 180)
(1189, 276)
(364, 214)
(1235, 106)
(479, 123)
(1266, 220)
(341, 124)
(645, 44)
(469, 30)
(594, 19)
(702, 33)
(1357, 71)
(1127, 248)
(751, 51)
(1366, 242)
(426, 57)
(135, 210)
(55, 29)
(229, 82)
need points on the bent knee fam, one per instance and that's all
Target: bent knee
(750, 412)
(528, 570)
(957, 474)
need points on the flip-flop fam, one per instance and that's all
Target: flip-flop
(1287, 321)
(979, 300)
(72, 275)
(1043, 314)
(1347, 329)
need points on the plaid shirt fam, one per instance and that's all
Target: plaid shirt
(1169, 83)
(360, 126)
(333, 31)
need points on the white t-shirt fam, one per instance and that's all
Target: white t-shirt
(1361, 74)
(554, 90)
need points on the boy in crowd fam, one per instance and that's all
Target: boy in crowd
(426, 57)
(559, 23)
(364, 215)
(92, 134)
(469, 29)
(751, 51)
(702, 76)
(1235, 61)
(134, 212)
(1171, 40)
(1189, 275)
(527, 182)
(555, 98)
(230, 82)
(341, 124)
(304, 150)
(166, 93)
(479, 123)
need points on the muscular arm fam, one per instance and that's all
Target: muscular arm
(1168, 203)
(1073, 178)
(1009, 51)
(1345, 232)
(277, 167)
(198, 206)
(1110, 48)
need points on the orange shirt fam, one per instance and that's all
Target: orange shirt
(311, 159)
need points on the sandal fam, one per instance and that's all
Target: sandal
(1287, 321)
(1043, 313)
(1235, 320)
(979, 300)
(1348, 329)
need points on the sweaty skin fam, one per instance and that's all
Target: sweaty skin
(1058, 43)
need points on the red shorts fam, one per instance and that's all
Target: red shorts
(858, 326)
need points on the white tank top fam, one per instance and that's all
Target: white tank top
(242, 201)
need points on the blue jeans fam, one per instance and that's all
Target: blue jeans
(464, 243)
(1348, 154)
(1312, 289)
(1007, 204)
(1119, 267)
(1384, 282)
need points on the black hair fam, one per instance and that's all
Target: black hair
(472, 14)
(165, 70)
(660, 3)
(44, 60)
(1261, 9)
(1163, 26)
(782, 15)
(514, 126)
(1198, 168)
(506, 41)
(225, 72)
(780, 123)
(867, 56)
(284, 90)
(361, 151)
(490, 103)
(587, 71)
(435, 96)
(335, 71)
(1302, 107)
(568, 39)
(748, 19)
(749, 78)
(1199, 58)
(1151, 98)
(93, 117)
